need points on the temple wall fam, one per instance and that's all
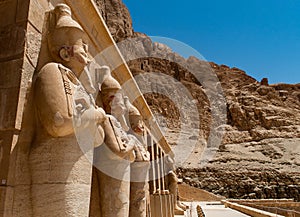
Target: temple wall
(20, 41)
(12, 42)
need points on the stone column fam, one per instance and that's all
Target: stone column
(61, 175)
(114, 182)
(139, 189)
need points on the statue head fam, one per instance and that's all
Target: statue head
(111, 94)
(169, 163)
(135, 118)
(66, 40)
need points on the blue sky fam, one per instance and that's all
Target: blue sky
(261, 37)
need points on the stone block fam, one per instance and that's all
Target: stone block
(10, 73)
(21, 201)
(5, 146)
(24, 94)
(9, 85)
(8, 9)
(9, 201)
(27, 74)
(6, 201)
(33, 44)
(12, 41)
(37, 10)
(62, 162)
(22, 11)
(70, 200)
(19, 171)
(2, 200)
(9, 102)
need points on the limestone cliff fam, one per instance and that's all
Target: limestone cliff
(117, 18)
(260, 151)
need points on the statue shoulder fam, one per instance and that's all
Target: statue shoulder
(53, 101)
(50, 77)
(49, 67)
(52, 69)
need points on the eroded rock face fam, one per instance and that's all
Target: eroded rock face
(258, 115)
(117, 18)
(263, 169)
(254, 111)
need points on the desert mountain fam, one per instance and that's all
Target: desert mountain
(258, 124)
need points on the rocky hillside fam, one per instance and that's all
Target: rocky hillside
(259, 154)
(117, 18)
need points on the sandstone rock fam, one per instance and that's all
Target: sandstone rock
(263, 121)
(117, 18)
(264, 81)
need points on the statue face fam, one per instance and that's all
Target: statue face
(78, 57)
(80, 52)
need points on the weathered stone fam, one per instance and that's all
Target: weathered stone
(33, 44)
(22, 11)
(117, 18)
(264, 81)
(12, 41)
(139, 190)
(58, 180)
(36, 13)
(242, 181)
(6, 138)
(11, 73)
(21, 201)
(8, 97)
(8, 10)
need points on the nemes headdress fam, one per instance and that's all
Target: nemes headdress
(64, 18)
(63, 30)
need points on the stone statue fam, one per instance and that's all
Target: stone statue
(172, 184)
(59, 161)
(114, 172)
(70, 123)
(134, 118)
(111, 174)
(139, 187)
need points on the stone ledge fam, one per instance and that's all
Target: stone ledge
(249, 210)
